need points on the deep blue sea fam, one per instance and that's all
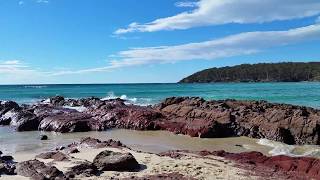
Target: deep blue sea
(302, 93)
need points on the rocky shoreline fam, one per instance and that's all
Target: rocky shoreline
(181, 115)
(94, 159)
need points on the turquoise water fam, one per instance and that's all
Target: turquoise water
(303, 93)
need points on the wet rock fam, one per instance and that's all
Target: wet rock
(36, 169)
(24, 121)
(228, 118)
(6, 106)
(181, 115)
(43, 137)
(57, 156)
(115, 161)
(57, 101)
(96, 143)
(68, 122)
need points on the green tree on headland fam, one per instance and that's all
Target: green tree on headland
(263, 72)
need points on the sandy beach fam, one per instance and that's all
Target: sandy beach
(192, 165)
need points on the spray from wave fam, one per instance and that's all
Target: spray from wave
(129, 100)
(279, 148)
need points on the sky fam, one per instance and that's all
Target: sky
(149, 41)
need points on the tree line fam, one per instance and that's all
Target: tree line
(262, 72)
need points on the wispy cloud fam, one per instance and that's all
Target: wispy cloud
(18, 69)
(43, 1)
(186, 4)
(217, 12)
(234, 45)
(21, 3)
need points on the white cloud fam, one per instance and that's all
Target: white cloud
(43, 1)
(217, 12)
(17, 70)
(186, 4)
(234, 45)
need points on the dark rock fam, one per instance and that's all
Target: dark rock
(85, 169)
(227, 118)
(68, 122)
(7, 106)
(181, 115)
(96, 143)
(57, 156)
(38, 170)
(43, 137)
(7, 166)
(24, 121)
(57, 101)
(115, 161)
(73, 150)
(6, 158)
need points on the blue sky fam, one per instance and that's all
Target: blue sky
(144, 41)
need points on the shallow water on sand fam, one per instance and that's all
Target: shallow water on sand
(12, 142)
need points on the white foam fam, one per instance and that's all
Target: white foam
(290, 150)
(77, 108)
(36, 87)
(129, 100)
(47, 101)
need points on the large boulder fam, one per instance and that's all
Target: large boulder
(36, 169)
(24, 121)
(115, 161)
(226, 118)
(7, 166)
(6, 106)
(69, 122)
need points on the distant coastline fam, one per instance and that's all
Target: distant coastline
(262, 72)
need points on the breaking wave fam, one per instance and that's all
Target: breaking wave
(129, 100)
(279, 148)
(35, 87)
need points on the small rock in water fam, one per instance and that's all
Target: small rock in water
(43, 137)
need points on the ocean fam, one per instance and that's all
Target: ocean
(301, 93)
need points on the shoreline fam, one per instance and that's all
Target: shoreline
(184, 165)
(205, 128)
